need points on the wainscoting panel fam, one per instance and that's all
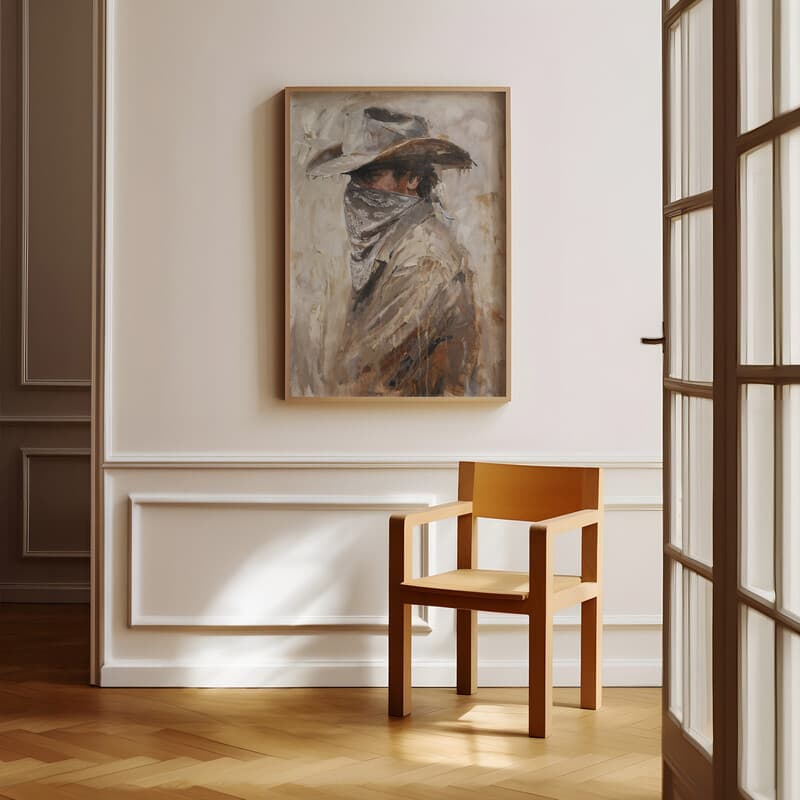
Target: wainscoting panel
(55, 502)
(45, 299)
(44, 505)
(274, 568)
(55, 331)
(275, 575)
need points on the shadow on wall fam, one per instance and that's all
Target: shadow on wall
(308, 586)
(268, 228)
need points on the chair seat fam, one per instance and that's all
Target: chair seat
(499, 585)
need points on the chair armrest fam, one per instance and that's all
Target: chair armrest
(459, 508)
(567, 522)
(540, 551)
(401, 527)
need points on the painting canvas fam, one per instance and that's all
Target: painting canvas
(397, 243)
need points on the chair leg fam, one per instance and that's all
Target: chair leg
(591, 653)
(540, 673)
(466, 652)
(399, 659)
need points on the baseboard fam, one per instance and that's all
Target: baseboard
(616, 672)
(44, 593)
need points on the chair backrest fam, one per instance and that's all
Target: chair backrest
(528, 493)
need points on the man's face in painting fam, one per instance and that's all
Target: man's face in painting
(393, 180)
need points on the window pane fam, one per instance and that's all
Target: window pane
(691, 476)
(791, 501)
(691, 296)
(757, 764)
(676, 112)
(676, 641)
(700, 717)
(758, 482)
(676, 262)
(690, 102)
(790, 240)
(755, 63)
(700, 479)
(677, 433)
(790, 57)
(701, 295)
(699, 87)
(756, 257)
(789, 723)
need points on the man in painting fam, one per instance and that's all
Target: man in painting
(411, 327)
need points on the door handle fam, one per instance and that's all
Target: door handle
(654, 339)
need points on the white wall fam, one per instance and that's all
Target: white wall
(195, 332)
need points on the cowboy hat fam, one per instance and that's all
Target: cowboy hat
(378, 134)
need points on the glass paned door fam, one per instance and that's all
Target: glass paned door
(688, 397)
(731, 93)
(768, 381)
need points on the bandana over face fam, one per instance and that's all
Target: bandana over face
(371, 215)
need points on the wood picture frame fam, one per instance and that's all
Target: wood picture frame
(397, 243)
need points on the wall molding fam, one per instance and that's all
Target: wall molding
(284, 502)
(27, 454)
(644, 503)
(367, 672)
(44, 592)
(248, 461)
(102, 246)
(489, 620)
(25, 379)
(279, 624)
(15, 419)
(420, 623)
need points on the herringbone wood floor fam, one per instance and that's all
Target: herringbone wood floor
(62, 740)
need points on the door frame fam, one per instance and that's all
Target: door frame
(725, 667)
(688, 770)
(97, 571)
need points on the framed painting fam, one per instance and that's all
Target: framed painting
(397, 243)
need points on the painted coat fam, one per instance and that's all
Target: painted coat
(412, 329)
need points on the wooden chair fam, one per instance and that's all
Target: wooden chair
(555, 500)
